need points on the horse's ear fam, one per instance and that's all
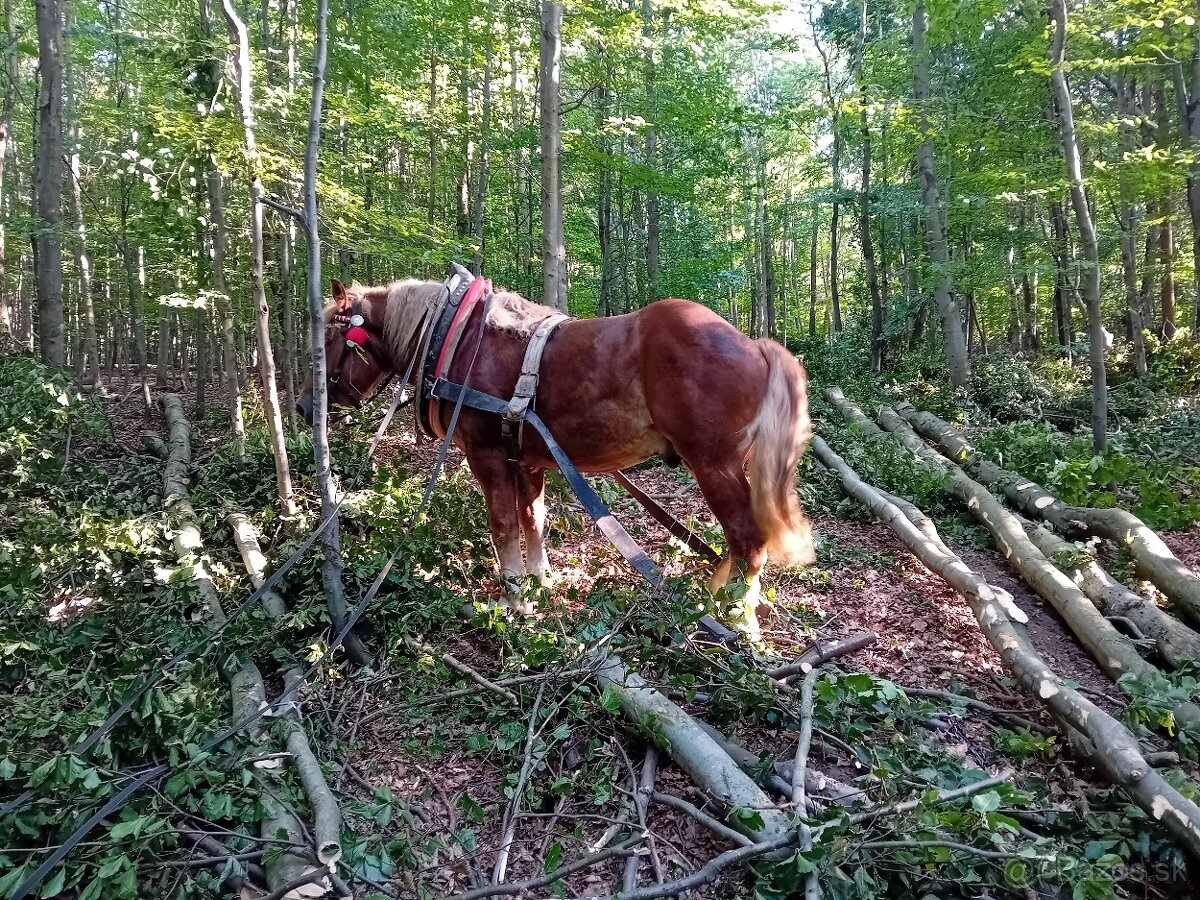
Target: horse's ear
(339, 292)
(355, 286)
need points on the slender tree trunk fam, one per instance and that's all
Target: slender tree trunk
(164, 350)
(653, 269)
(604, 303)
(224, 309)
(1062, 282)
(1188, 102)
(51, 341)
(335, 593)
(200, 321)
(240, 39)
(956, 346)
(1033, 339)
(431, 213)
(864, 211)
(287, 245)
(1097, 337)
(7, 190)
(1166, 263)
(812, 273)
(90, 368)
(554, 261)
(485, 138)
(1129, 227)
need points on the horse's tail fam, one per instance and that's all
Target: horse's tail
(776, 438)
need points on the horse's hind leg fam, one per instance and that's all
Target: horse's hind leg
(727, 493)
(500, 490)
(532, 515)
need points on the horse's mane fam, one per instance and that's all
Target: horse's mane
(409, 300)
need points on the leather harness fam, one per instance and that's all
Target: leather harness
(463, 292)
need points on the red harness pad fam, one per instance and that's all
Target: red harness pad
(480, 288)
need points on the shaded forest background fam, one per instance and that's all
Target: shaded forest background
(763, 162)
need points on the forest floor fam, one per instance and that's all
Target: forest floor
(864, 580)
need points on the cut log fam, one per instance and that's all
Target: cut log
(1154, 558)
(1114, 653)
(817, 786)
(1115, 749)
(327, 816)
(1174, 640)
(245, 680)
(702, 758)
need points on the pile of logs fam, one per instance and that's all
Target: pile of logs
(1087, 598)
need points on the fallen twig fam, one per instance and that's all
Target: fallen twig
(823, 653)
(812, 887)
(972, 703)
(702, 817)
(519, 887)
(641, 801)
(510, 815)
(464, 669)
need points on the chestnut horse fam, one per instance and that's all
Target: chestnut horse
(673, 378)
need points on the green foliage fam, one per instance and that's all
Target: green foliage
(1150, 468)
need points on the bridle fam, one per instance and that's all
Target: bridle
(358, 341)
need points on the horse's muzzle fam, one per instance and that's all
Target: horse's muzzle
(304, 406)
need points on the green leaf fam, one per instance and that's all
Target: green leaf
(988, 801)
(553, 855)
(54, 885)
(132, 828)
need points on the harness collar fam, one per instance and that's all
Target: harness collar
(463, 292)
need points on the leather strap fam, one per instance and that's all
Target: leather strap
(694, 542)
(527, 384)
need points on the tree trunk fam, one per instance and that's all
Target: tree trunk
(89, 366)
(864, 216)
(554, 261)
(1129, 228)
(7, 191)
(1097, 337)
(956, 346)
(51, 341)
(335, 593)
(240, 38)
(653, 274)
(224, 309)
(485, 137)
(604, 303)
(1166, 265)
(431, 212)
(287, 279)
(812, 273)
(1189, 117)
(1033, 338)
(1062, 281)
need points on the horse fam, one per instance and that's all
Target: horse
(673, 378)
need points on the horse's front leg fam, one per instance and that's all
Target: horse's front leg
(500, 490)
(532, 515)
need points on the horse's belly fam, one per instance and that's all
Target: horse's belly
(603, 441)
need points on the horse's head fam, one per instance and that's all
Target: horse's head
(356, 362)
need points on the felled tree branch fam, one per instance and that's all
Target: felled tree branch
(823, 652)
